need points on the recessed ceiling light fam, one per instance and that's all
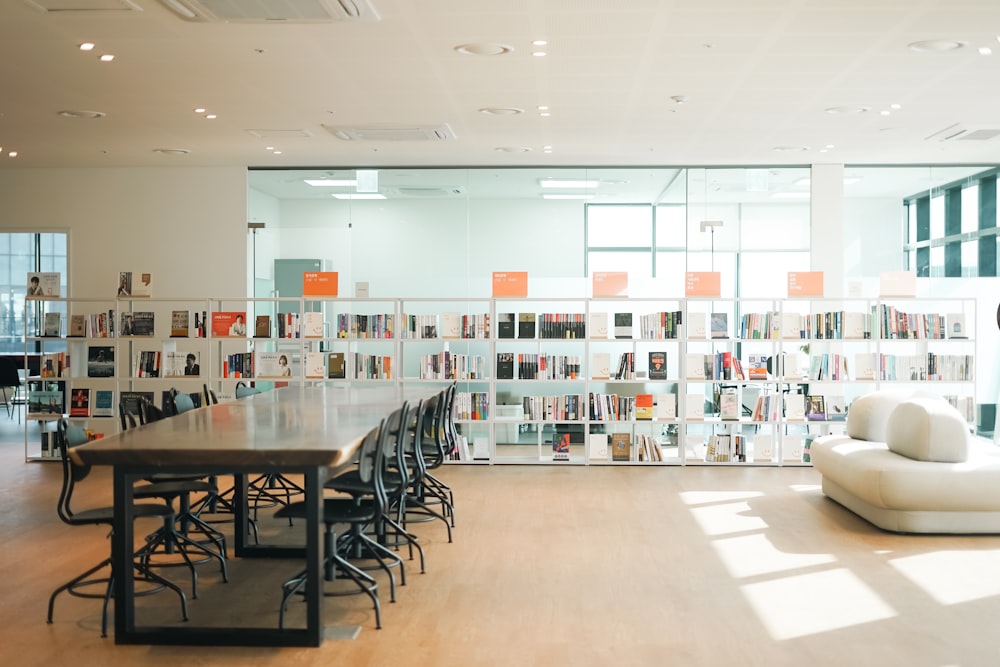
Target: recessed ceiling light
(362, 195)
(107, 57)
(332, 182)
(277, 152)
(501, 111)
(935, 45)
(542, 108)
(985, 51)
(483, 49)
(895, 106)
(211, 116)
(12, 154)
(199, 110)
(847, 110)
(884, 112)
(828, 146)
(171, 151)
(81, 113)
(545, 114)
(539, 54)
(87, 46)
(539, 42)
(512, 149)
(790, 149)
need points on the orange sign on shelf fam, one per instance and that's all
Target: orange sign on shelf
(610, 283)
(703, 283)
(805, 283)
(510, 284)
(319, 283)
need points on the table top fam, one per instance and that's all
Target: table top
(287, 427)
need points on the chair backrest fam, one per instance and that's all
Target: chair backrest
(68, 437)
(210, 397)
(448, 427)
(243, 390)
(129, 418)
(9, 376)
(150, 412)
(410, 439)
(371, 466)
(432, 437)
(182, 402)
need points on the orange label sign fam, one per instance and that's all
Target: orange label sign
(510, 284)
(703, 283)
(610, 283)
(805, 283)
(319, 283)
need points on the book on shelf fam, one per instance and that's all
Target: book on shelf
(103, 403)
(505, 365)
(451, 325)
(560, 447)
(720, 325)
(52, 324)
(836, 408)
(336, 366)
(665, 406)
(791, 325)
(54, 365)
(200, 324)
(101, 361)
(262, 326)
(795, 407)
(815, 407)
(133, 401)
(729, 404)
(598, 326)
(621, 447)
(312, 324)
(696, 325)
(956, 325)
(229, 324)
(856, 325)
(757, 366)
(143, 323)
(526, 325)
(600, 364)
(79, 402)
(644, 406)
(597, 447)
(763, 447)
(271, 365)
(657, 365)
(695, 366)
(179, 323)
(43, 285)
(180, 363)
(505, 325)
(865, 364)
(77, 326)
(623, 325)
(142, 284)
(315, 365)
(791, 447)
(48, 401)
(694, 407)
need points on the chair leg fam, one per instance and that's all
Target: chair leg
(77, 580)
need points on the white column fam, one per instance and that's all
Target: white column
(828, 242)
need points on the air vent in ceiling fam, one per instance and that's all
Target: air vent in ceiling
(427, 192)
(83, 6)
(392, 132)
(272, 11)
(961, 132)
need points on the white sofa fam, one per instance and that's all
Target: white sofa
(908, 464)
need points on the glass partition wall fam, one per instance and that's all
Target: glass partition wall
(430, 239)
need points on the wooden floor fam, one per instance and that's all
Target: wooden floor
(555, 566)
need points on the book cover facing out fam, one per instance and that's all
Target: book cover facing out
(657, 365)
(526, 325)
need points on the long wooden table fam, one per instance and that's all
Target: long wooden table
(312, 431)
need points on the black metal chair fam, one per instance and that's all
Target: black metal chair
(73, 473)
(358, 513)
(10, 386)
(438, 442)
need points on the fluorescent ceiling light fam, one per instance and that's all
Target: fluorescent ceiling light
(363, 195)
(332, 182)
(554, 183)
(579, 196)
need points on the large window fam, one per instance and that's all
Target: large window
(21, 253)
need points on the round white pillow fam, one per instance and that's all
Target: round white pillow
(928, 429)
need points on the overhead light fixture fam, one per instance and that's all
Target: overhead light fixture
(985, 51)
(171, 151)
(790, 149)
(847, 110)
(566, 196)
(501, 111)
(331, 182)
(935, 45)
(87, 46)
(556, 183)
(359, 195)
(107, 57)
(483, 49)
(81, 113)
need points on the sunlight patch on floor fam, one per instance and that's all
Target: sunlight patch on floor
(809, 604)
(704, 497)
(753, 555)
(727, 518)
(952, 577)
(803, 488)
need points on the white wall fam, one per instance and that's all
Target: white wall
(186, 226)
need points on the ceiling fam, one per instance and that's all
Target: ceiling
(626, 82)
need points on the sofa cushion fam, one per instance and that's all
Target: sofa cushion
(928, 429)
(868, 416)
